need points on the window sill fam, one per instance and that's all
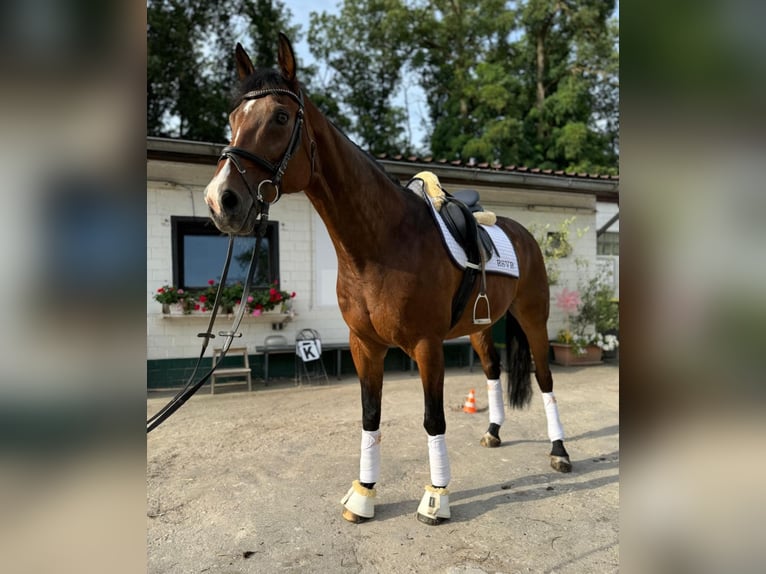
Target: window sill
(272, 317)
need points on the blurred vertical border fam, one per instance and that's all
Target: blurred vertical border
(693, 256)
(73, 351)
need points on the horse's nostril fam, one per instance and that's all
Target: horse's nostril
(229, 200)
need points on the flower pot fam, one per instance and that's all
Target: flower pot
(565, 355)
(166, 308)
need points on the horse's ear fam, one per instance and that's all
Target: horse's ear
(286, 58)
(244, 63)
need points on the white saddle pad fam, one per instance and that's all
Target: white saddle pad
(503, 261)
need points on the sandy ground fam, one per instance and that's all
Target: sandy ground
(251, 482)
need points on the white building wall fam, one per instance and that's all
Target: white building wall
(177, 189)
(176, 336)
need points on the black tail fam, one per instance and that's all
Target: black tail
(518, 362)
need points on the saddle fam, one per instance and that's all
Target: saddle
(462, 213)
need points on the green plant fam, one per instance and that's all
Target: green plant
(168, 294)
(267, 299)
(592, 312)
(555, 245)
(258, 301)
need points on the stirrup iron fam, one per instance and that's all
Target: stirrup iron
(482, 320)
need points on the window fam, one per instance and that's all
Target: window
(199, 252)
(608, 243)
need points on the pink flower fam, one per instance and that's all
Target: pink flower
(180, 291)
(568, 301)
(257, 312)
(250, 299)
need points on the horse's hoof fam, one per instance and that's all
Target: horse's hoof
(359, 503)
(431, 521)
(434, 506)
(490, 441)
(351, 517)
(561, 463)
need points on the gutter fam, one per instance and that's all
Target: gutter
(605, 190)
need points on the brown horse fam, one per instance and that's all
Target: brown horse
(393, 288)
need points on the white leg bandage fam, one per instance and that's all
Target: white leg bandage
(438, 460)
(369, 461)
(555, 430)
(495, 400)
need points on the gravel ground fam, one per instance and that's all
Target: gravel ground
(251, 482)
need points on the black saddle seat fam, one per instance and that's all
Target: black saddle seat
(469, 198)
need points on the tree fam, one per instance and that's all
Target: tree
(190, 68)
(569, 48)
(364, 47)
(532, 86)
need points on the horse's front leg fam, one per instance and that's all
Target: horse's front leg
(359, 502)
(434, 506)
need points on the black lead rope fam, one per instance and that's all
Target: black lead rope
(184, 394)
(232, 153)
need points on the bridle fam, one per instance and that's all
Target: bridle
(236, 154)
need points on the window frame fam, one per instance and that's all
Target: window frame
(182, 225)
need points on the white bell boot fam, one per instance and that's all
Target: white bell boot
(434, 506)
(359, 503)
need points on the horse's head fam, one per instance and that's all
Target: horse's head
(268, 136)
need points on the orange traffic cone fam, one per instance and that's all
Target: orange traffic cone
(470, 403)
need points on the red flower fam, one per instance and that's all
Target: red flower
(211, 282)
(202, 299)
(292, 295)
(196, 306)
(161, 290)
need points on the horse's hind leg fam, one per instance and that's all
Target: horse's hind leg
(490, 361)
(537, 336)
(358, 503)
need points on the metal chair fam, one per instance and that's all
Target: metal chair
(308, 357)
(272, 344)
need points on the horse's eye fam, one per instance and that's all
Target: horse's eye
(282, 117)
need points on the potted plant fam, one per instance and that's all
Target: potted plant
(230, 296)
(263, 300)
(592, 320)
(258, 302)
(168, 295)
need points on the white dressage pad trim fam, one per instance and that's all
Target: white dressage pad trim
(503, 261)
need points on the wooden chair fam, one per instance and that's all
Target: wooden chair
(226, 371)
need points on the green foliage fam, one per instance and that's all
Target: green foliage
(592, 311)
(555, 245)
(190, 60)
(530, 83)
(365, 49)
(598, 308)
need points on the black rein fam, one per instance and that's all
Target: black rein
(234, 154)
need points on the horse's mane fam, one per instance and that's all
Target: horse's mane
(263, 78)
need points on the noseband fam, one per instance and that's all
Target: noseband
(236, 154)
